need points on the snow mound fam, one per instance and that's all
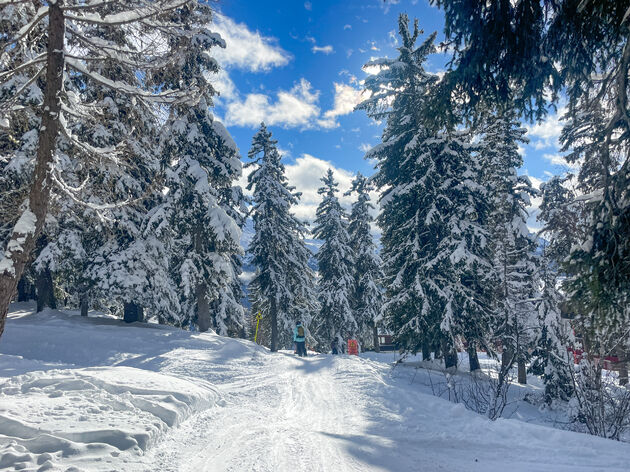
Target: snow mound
(83, 414)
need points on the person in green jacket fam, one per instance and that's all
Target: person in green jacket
(299, 337)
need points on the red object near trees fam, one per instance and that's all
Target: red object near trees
(353, 347)
(610, 362)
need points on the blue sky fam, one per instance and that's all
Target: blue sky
(298, 65)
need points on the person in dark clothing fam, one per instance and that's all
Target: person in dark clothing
(333, 346)
(299, 337)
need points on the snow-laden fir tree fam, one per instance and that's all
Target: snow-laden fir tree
(367, 296)
(152, 55)
(563, 224)
(201, 209)
(551, 357)
(435, 253)
(335, 258)
(283, 288)
(513, 248)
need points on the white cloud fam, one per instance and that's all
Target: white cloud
(308, 6)
(393, 38)
(246, 49)
(548, 131)
(365, 147)
(224, 85)
(306, 173)
(328, 49)
(346, 98)
(347, 27)
(533, 209)
(291, 108)
(555, 159)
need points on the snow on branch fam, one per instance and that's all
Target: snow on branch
(88, 5)
(7, 104)
(130, 16)
(39, 59)
(168, 96)
(28, 27)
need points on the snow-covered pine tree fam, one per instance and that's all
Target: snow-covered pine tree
(432, 208)
(335, 258)
(406, 311)
(283, 288)
(551, 358)
(74, 236)
(203, 211)
(367, 296)
(513, 248)
(151, 53)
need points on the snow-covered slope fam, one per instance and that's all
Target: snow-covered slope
(99, 395)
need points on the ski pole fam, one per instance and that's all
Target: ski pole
(258, 318)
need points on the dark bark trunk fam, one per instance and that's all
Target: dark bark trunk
(39, 195)
(623, 366)
(623, 374)
(450, 355)
(84, 304)
(45, 290)
(522, 372)
(274, 325)
(203, 308)
(377, 344)
(133, 312)
(426, 351)
(473, 359)
(507, 358)
(26, 290)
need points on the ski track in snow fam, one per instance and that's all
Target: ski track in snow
(171, 400)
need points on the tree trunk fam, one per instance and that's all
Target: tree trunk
(30, 224)
(133, 312)
(377, 344)
(473, 359)
(450, 355)
(623, 366)
(26, 290)
(623, 374)
(45, 290)
(507, 358)
(426, 350)
(274, 325)
(203, 308)
(84, 304)
(22, 288)
(522, 372)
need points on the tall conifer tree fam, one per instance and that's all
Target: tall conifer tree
(367, 297)
(283, 287)
(335, 258)
(434, 246)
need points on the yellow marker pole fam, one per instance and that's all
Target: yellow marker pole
(258, 318)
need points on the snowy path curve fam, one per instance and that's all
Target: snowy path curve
(287, 413)
(339, 413)
(96, 395)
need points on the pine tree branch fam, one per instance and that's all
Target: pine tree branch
(38, 60)
(6, 105)
(130, 16)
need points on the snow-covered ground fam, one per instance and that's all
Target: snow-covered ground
(94, 394)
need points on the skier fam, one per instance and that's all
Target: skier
(333, 346)
(299, 337)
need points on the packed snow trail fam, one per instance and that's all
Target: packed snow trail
(328, 413)
(98, 395)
